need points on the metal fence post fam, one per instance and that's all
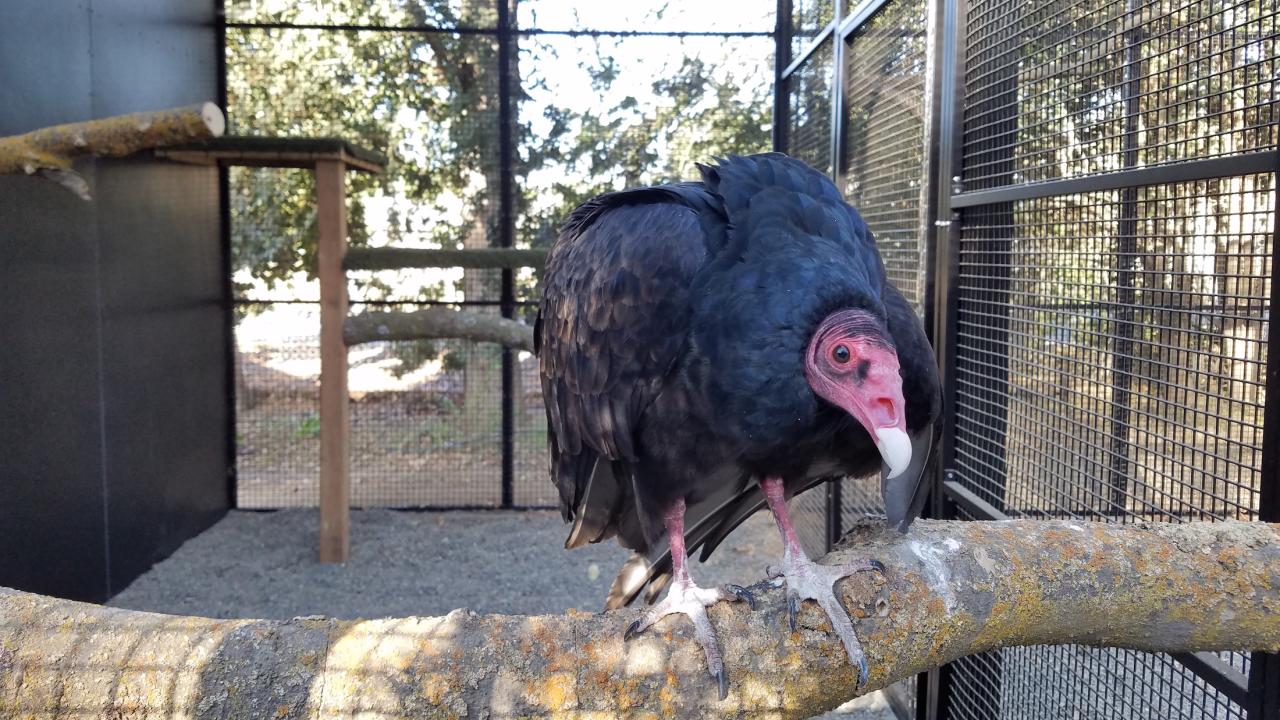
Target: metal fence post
(1264, 668)
(506, 237)
(781, 59)
(933, 688)
(228, 270)
(835, 521)
(1126, 265)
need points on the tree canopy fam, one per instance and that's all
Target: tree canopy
(594, 113)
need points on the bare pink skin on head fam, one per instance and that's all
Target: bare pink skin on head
(849, 365)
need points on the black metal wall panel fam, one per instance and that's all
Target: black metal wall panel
(34, 32)
(1136, 379)
(54, 538)
(163, 359)
(808, 19)
(114, 419)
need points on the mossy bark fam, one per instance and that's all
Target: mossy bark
(49, 151)
(952, 589)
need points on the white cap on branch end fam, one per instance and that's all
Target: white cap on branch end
(213, 119)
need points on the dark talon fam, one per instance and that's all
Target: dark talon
(743, 594)
(862, 676)
(722, 677)
(793, 608)
(878, 567)
(631, 630)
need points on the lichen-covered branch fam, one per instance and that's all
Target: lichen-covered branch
(388, 258)
(952, 588)
(437, 323)
(49, 151)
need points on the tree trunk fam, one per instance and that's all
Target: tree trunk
(951, 589)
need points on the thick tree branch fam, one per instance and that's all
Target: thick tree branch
(437, 323)
(48, 151)
(390, 258)
(952, 588)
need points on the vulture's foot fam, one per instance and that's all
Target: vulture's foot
(807, 580)
(688, 599)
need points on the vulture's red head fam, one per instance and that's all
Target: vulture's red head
(851, 364)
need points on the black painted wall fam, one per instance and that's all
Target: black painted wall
(113, 330)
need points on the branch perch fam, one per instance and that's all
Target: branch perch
(48, 151)
(393, 258)
(437, 323)
(952, 589)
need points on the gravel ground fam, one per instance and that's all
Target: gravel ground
(263, 565)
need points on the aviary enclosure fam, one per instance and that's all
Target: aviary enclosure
(1078, 197)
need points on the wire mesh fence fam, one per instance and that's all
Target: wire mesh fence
(1111, 344)
(1134, 360)
(597, 98)
(1058, 90)
(1110, 301)
(809, 124)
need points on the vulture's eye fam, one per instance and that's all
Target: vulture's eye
(840, 354)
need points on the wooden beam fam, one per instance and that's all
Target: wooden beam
(387, 258)
(335, 420)
(266, 158)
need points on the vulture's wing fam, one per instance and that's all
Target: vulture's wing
(613, 321)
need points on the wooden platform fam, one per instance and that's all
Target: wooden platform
(329, 159)
(291, 152)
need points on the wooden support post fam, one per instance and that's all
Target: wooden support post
(335, 421)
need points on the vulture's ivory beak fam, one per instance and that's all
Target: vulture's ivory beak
(895, 447)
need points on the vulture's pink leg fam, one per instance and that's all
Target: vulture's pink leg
(688, 599)
(807, 580)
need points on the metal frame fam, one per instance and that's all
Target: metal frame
(228, 287)
(502, 27)
(506, 238)
(1259, 693)
(1264, 668)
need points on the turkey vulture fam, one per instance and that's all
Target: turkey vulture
(707, 348)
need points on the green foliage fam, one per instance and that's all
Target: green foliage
(308, 427)
(429, 102)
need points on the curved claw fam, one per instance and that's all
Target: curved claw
(878, 567)
(742, 594)
(793, 609)
(863, 673)
(632, 630)
(722, 678)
